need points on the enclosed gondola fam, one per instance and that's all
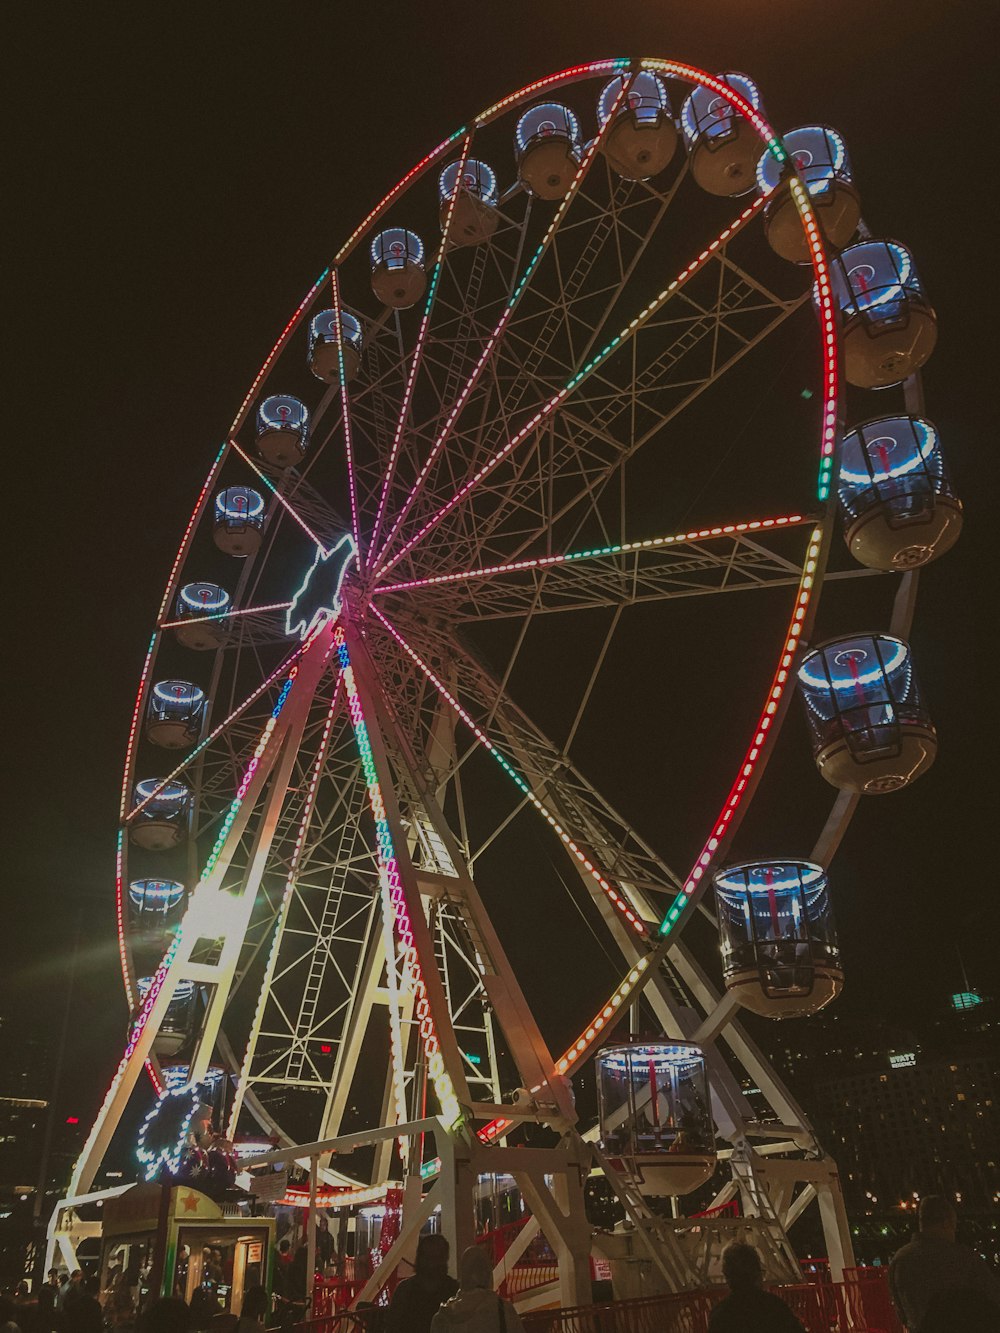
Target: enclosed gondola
(202, 612)
(547, 147)
(642, 137)
(398, 277)
(474, 217)
(239, 521)
(723, 147)
(325, 344)
(174, 1029)
(896, 499)
(870, 730)
(175, 714)
(889, 327)
(822, 164)
(780, 955)
(282, 430)
(162, 821)
(655, 1114)
(155, 896)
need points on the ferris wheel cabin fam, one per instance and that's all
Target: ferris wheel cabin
(642, 137)
(870, 730)
(325, 346)
(239, 521)
(175, 714)
(896, 498)
(547, 147)
(174, 1029)
(155, 897)
(655, 1115)
(162, 822)
(475, 216)
(780, 955)
(723, 147)
(822, 163)
(282, 430)
(889, 328)
(398, 277)
(201, 608)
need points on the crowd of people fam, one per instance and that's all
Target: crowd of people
(937, 1285)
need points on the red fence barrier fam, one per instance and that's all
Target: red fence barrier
(860, 1304)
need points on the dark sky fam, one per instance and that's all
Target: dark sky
(179, 175)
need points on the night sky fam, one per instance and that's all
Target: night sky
(179, 176)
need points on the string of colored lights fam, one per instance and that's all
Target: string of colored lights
(389, 875)
(282, 914)
(225, 615)
(217, 731)
(345, 413)
(612, 894)
(597, 552)
(282, 338)
(545, 411)
(280, 498)
(512, 304)
(724, 825)
(418, 349)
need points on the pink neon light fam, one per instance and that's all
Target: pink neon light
(283, 337)
(417, 356)
(346, 416)
(548, 408)
(604, 552)
(225, 615)
(610, 892)
(502, 323)
(279, 497)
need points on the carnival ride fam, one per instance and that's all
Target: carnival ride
(446, 447)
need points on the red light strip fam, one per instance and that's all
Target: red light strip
(418, 353)
(283, 337)
(558, 398)
(610, 892)
(724, 825)
(625, 548)
(503, 321)
(280, 498)
(345, 404)
(225, 615)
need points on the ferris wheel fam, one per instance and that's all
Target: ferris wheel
(446, 453)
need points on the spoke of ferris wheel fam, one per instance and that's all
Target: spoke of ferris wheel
(581, 174)
(346, 417)
(281, 499)
(225, 615)
(621, 339)
(217, 731)
(600, 552)
(612, 894)
(418, 350)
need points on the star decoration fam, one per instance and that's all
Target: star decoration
(318, 599)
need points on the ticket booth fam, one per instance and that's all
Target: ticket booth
(208, 1259)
